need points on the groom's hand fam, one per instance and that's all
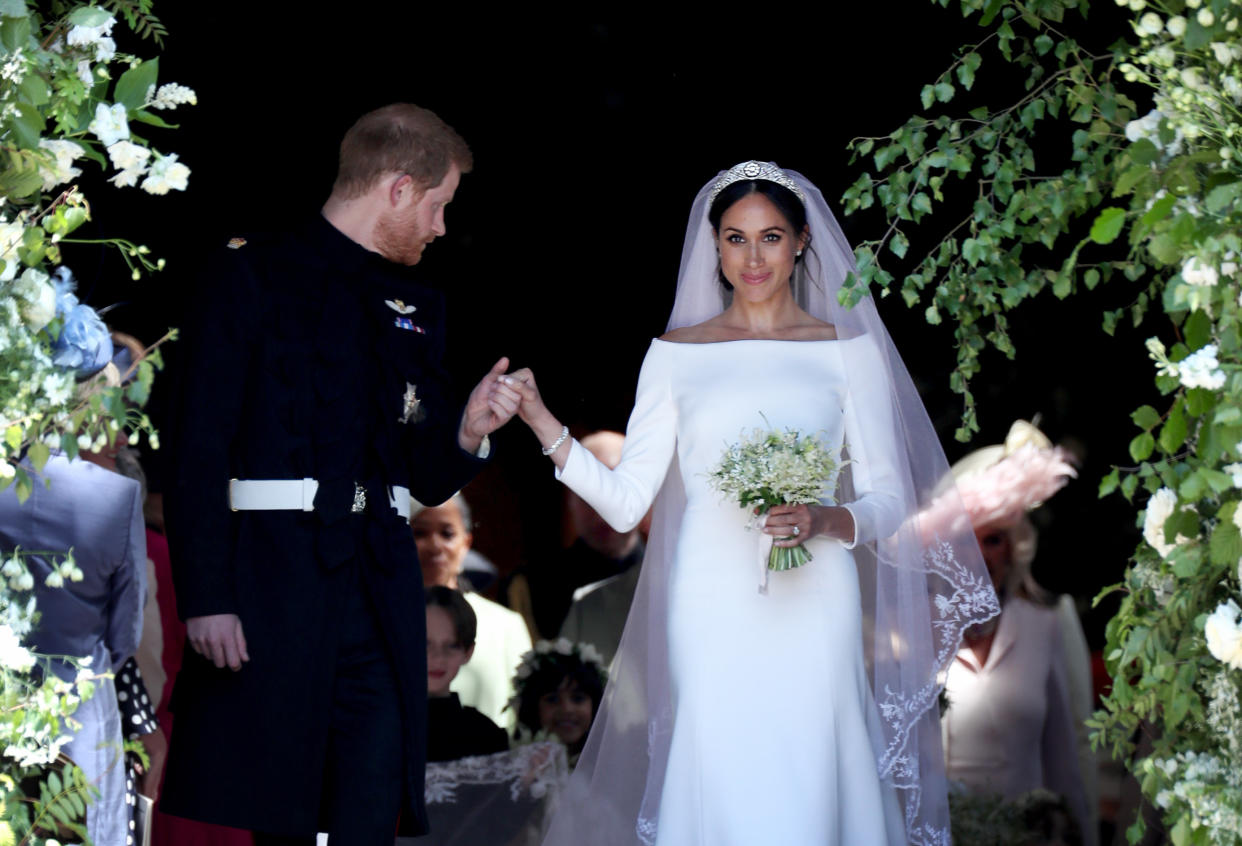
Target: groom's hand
(492, 403)
(219, 639)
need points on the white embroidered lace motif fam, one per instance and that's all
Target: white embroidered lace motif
(532, 771)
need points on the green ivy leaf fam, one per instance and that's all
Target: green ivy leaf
(39, 453)
(1109, 483)
(131, 88)
(1197, 330)
(1196, 35)
(28, 125)
(1107, 225)
(1165, 249)
(1221, 196)
(1146, 418)
(143, 116)
(13, 8)
(1143, 152)
(1159, 210)
(899, 244)
(1141, 449)
(1043, 44)
(1130, 483)
(927, 96)
(944, 91)
(1173, 435)
(89, 16)
(1199, 401)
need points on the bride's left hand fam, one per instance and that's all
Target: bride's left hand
(794, 524)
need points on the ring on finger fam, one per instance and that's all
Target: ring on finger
(797, 530)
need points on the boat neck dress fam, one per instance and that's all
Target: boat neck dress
(772, 715)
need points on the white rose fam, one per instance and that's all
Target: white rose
(130, 160)
(1159, 508)
(10, 239)
(60, 170)
(1176, 26)
(1200, 369)
(1224, 635)
(86, 35)
(1205, 17)
(111, 124)
(1150, 24)
(166, 174)
(1234, 470)
(1193, 80)
(1195, 272)
(105, 50)
(38, 296)
(13, 655)
(1145, 127)
(564, 646)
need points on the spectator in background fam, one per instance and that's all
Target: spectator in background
(453, 730)
(1010, 727)
(543, 593)
(443, 536)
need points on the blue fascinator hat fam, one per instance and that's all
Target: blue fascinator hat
(84, 344)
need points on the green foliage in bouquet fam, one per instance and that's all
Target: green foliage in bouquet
(1148, 200)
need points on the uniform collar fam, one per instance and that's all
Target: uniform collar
(347, 254)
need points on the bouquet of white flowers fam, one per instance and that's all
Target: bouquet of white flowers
(767, 468)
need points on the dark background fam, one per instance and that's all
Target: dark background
(590, 140)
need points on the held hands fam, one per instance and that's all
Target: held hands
(546, 428)
(219, 639)
(492, 403)
(795, 524)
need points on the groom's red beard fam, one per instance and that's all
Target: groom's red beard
(399, 238)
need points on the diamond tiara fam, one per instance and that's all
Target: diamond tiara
(755, 170)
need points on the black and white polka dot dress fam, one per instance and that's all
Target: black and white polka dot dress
(137, 719)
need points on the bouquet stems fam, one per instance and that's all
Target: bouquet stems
(787, 557)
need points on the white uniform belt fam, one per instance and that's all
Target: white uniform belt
(294, 495)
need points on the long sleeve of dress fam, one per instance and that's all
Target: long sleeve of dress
(622, 495)
(870, 440)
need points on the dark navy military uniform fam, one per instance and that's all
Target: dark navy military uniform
(301, 363)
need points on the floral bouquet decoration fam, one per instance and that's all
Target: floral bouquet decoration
(777, 467)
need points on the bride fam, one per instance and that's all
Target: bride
(788, 707)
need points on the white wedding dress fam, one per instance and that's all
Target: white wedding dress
(774, 723)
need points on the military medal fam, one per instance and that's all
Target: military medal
(411, 405)
(400, 307)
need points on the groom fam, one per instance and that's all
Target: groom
(313, 408)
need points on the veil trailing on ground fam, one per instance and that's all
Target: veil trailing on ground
(921, 586)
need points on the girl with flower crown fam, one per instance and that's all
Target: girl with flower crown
(557, 691)
(799, 707)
